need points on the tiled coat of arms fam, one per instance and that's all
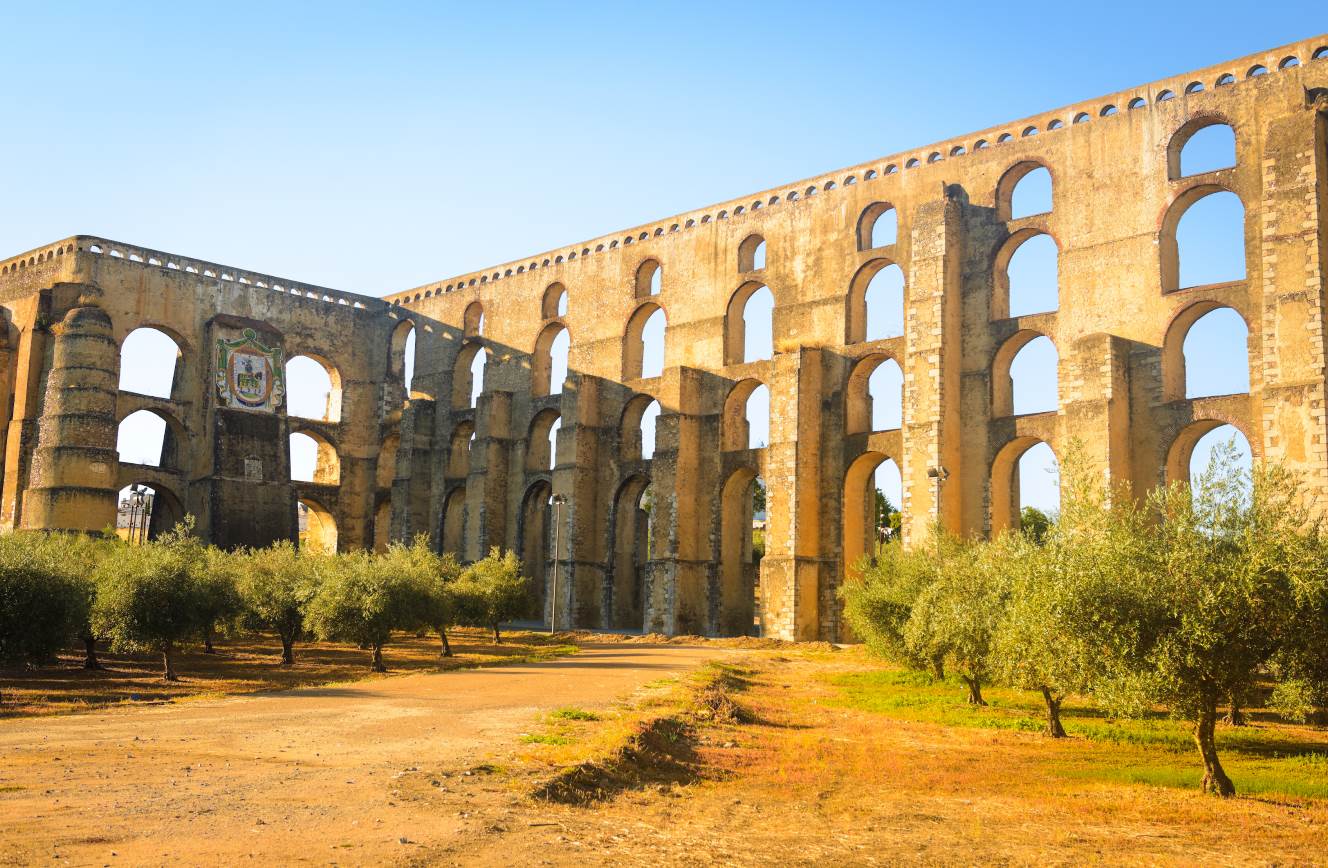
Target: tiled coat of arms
(250, 376)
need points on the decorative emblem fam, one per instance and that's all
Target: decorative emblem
(249, 374)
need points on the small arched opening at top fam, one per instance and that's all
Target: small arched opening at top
(637, 433)
(1024, 377)
(746, 420)
(878, 226)
(751, 254)
(1289, 62)
(401, 362)
(1257, 70)
(643, 342)
(472, 321)
(549, 363)
(1203, 239)
(554, 303)
(1024, 191)
(1026, 275)
(1200, 146)
(468, 375)
(649, 279)
(749, 324)
(876, 302)
(313, 388)
(1205, 353)
(151, 363)
(874, 396)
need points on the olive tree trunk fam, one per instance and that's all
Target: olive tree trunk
(1054, 728)
(207, 640)
(497, 639)
(447, 646)
(1235, 713)
(377, 664)
(90, 660)
(1215, 779)
(287, 650)
(168, 666)
(974, 690)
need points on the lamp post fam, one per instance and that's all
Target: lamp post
(939, 474)
(558, 501)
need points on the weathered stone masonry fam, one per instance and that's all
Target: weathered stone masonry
(474, 477)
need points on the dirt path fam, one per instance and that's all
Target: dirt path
(312, 775)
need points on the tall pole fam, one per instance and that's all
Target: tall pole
(558, 501)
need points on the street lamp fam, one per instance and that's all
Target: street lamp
(558, 501)
(939, 474)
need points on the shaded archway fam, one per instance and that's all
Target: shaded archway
(1025, 190)
(746, 420)
(636, 435)
(536, 550)
(382, 523)
(1026, 275)
(458, 456)
(468, 375)
(549, 361)
(749, 325)
(386, 469)
(751, 254)
(317, 527)
(643, 342)
(740, 558)
(542, 442)
(878, 226)
(649, 279)
(870, 519)
(401, 362)
(452, 534)
(146, 511)
(1016, 483)
(554, 304)
(632, 507)
(1024, 376)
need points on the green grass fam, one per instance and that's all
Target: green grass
(574, 714)
(1155, 751)
(545, 738)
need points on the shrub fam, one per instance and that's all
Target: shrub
(491, 591)
(275, 586)
(362, 599)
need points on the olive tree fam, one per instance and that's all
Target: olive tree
(362, 598)
(71, 559)
(147, 600)
(431, 576)
(276, 585)
(491, 591)
(41, 609)
(879, 598)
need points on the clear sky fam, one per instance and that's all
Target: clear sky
(376, 148)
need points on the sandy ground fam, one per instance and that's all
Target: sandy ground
(359, 773)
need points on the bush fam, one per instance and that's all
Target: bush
(275, 587)
(491, 591)
(41, 609)
(362, 599)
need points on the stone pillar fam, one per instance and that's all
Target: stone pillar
(1095, 404)
(486, 487)
(412, 478)
(75, 466)
(581, 567)
(21, 436)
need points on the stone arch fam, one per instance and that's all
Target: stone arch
(631, 435)
(860, 521)
(1016, 290)
(876, 302)
(1181, 153)
(152, 435)
(472, 320)
(452, 518)
(326, 469)
(382, 522)
(1174, 274)
(649, 278)
(385, 470)
(554, 304)
(1017, 178)
(861, 413)
(630, 529)
(641, 356)
(736, 430)
(151, 361)
(317, 526)
(737, 348)
(1005, 494)
(465, 389)
(146, 510)
(1175, 370)
(1181, 451)
(313, 388)
(541, 444)
(536, 547)
(458, 453)
(739, 566)
(401, 357)
(549, 362)
(1003, 387)
(751, 254)
(878, 226)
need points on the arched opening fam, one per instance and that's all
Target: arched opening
(643, 343)
(649, 278)
(632, 509)
(382, 524)
(386, 469)
(751, 254)
(1192, 451)
(1024, 376)
(1024, 191)
(542, 445)
(317, 527)
(1023, 476)
(637, 436)
(750, 325)
(145, 512)
(1203, 239)
(1213, 357)
(472, 321)
(402, 362)
(876, 302)
(549, 368)
(554, 304)
(874, 396)
(453, 532)
(1201, 146)
(878, 226)
(458, 456)
(536, 546)
(151, 438)
(1027, 279)
(468, 375)
(746, 422)
(150, 363)
(313, 389)
(313, 459)
(743, 523)
(873, 493)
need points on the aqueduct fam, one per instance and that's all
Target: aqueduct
(657, 535)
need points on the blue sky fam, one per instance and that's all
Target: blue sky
(372, 149)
